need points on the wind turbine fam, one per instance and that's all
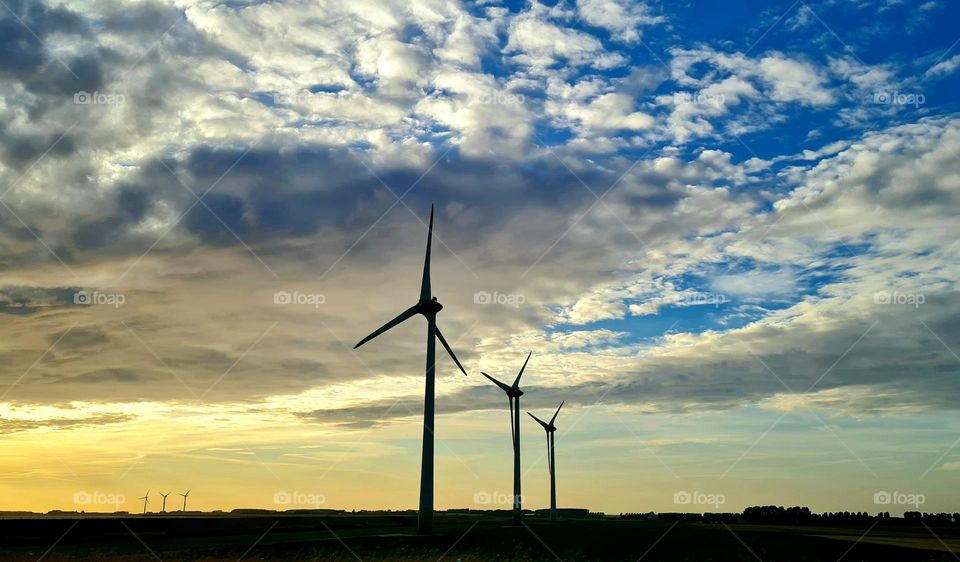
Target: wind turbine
(145, 499)
(513, 397)
(428, 307)
(164, 508)
(185, 499)
(551, 459)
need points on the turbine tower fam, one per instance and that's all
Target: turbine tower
(185, 499)
(513, 397)
(428, 307)
(164, 508)
(145, 499)
(551, 459)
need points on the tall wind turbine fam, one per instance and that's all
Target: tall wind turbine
(164, 508)
(145, 499)
(185, 499)
(551, 459)
(428, 307)
(513, 397)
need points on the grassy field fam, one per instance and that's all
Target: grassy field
(457, 538)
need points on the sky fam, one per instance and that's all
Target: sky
(726, 232)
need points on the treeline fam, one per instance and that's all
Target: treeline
(778, 515)
(933, 518)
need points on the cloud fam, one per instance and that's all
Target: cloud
(622, 19)
(755, 284)
(23, 300)
(540, 44)
(793, 80)
(943, 68)
(79, 338)
(61, 423)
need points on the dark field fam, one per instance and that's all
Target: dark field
(466, 538)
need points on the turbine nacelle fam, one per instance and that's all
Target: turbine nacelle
(512, 392)
(429, 307)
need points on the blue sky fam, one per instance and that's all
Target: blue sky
(726, 231)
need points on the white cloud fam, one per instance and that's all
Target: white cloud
(622, 19)
(943, 68)
(541, 44)
(794, 80)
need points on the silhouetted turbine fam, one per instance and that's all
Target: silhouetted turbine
(145, 499)
(513, 397)
(551, 458)
(428, 307)
(163, 509)
(185, 499)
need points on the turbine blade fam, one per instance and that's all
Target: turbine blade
(516, 383)
(557, 412)
(425, 292)
(496, 382)
(450, 351)
(403, 316)
(539, 421)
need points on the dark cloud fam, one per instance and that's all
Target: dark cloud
(143, 17)
(64, 79)
(80, 337)
(107, 376)
(270, 194)
(15, 426)
(30, 300)
(23, 25)
(130, 207)
(218, 218)
(22, 150)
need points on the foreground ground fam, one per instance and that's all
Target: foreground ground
(457, 538)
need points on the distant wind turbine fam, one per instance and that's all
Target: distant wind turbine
(164, 508)
(145, 498)
(513, 397)
(428, 307)
(185, 499)
(551, 459)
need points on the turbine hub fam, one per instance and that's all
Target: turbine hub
(430, 307)
(516, 392)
